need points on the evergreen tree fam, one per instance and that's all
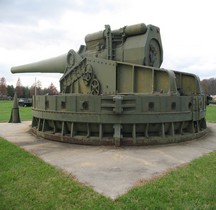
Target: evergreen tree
(26, 92)
(10, 90)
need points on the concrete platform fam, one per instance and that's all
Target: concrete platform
(109, 170)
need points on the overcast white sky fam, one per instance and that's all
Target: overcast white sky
(32, 30)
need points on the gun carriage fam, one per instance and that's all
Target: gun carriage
(113, 92)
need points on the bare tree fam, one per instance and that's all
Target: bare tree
(39, 87)
(3, 86)
(36, 88)
(52, 90)
(204, 84)
(19, 88)
(209, 86)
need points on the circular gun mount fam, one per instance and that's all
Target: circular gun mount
(117, 120)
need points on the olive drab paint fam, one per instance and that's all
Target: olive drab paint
(113, 92)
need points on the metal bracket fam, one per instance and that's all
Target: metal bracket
(118, 104)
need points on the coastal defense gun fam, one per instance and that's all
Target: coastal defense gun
(113, 92)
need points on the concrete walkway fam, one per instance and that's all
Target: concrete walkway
(109, 170)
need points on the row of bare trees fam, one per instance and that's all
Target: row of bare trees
(7, 91)
(209, 86)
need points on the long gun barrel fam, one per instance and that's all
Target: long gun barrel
(52, 65)
(136, 44)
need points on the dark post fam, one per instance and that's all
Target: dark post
(15, 117)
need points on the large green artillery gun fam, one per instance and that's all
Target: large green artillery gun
(113, 92)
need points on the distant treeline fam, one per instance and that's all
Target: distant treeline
(7, 91)
(209, 86)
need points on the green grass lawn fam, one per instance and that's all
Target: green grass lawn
(5, 111)
(26, 182)
(211, 113)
